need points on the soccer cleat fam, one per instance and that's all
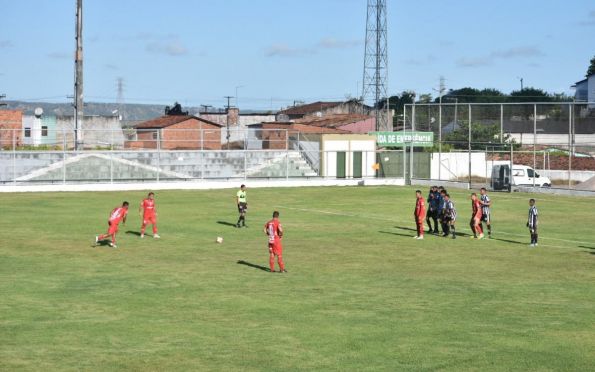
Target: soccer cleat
(238, 225)
(113, 245)
(531, 245)
(421, 237)
(414, 237)
(454, 236)
(536, 244)
(273, 271)
(142, 236)
(156, 236)
(480, 236)
(96, 239)
(283, 271)
(473, 237)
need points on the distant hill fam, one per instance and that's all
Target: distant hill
(131, 112)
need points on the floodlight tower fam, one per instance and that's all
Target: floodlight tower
(375, 79)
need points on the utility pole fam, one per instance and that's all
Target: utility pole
(521, 79)
(205, 108)
(2, 96)
(78, 79)
(227, 118)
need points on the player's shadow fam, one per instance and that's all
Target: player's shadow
(584, 246)
(242, 262)
(133, 232)
(395, 233)
(405, 228)
(101, 243)
(507, 241)
(226, 223)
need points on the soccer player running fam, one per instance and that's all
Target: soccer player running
(419, 214)
(117, 214)
(242, 203)
(274, 231)
(532, 222)
(475, 222)
(148, 215)
(486, 204)
(449, 214)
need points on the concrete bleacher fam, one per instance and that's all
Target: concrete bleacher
(96, 166)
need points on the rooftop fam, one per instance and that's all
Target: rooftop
(169, 120)
(309, 108)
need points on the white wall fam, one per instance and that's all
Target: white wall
(456, 165)
(591, 92)
(552, 139)
(329, 156)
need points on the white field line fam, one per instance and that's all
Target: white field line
(406, 221)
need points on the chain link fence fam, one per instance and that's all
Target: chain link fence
(507, 145)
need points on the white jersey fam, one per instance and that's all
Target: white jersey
(485, 209)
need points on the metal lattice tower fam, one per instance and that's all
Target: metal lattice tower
(375, 79)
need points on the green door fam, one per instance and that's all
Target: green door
(357, 164)
(340, 164)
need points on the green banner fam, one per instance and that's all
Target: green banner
(400, 139)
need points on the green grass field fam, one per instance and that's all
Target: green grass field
(360, 293)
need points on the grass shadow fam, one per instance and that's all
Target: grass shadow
(133, 232)
(102, 243)
(396, 233)
(584, 246)
(226, 223)
(507, 241)
(405, 228)
(245, 263)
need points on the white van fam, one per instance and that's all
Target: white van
(521, 175)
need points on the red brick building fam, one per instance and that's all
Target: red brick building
(11, 128)
(177, 132)
(328, 124)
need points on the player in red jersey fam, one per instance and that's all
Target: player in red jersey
(117, 214)
(476, 214)
(419, 214)
(148, 215)
(274, 231)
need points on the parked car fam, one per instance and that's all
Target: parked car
(503, 178)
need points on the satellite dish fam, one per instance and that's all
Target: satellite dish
(38, 112)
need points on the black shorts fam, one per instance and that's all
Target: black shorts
(486, 217)
(242, 207)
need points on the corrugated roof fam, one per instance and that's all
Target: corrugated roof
(334, 120)
(309, 108)
(169, 120)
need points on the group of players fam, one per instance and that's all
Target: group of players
(273, 228)
(441, 208)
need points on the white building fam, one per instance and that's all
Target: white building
(585, 90)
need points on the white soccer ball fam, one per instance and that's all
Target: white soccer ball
(219, 240)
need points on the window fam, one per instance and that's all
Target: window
(44, 130)
(27, 132)
(518, 173)
(530, 173)
(155, 135)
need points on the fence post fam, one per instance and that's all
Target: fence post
(411, 145)
(111, 158)
(570, 109)
(501, 123)
(14, 157)
(158, 154)
(469, 145)
(511, 163)
(534, 141)
(404, 146)
(439, 142)
(287, 164)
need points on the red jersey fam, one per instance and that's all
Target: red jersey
(274, 231)
(117, 215)
(476, 206)
(420, 208)
(148, 206)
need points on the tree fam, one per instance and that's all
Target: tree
(530, 95)
(481, 135)
(591, 69)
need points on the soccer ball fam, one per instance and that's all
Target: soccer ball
(219, 240)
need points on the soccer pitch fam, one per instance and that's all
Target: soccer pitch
(360, 294)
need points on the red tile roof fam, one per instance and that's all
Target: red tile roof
(169, 120)
(309, 108)
(333, 121)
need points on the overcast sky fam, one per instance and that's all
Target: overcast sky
(278, 51)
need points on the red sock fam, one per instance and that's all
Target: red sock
(281, 264)
(142, 229)
(155, 228)
(272, 262)
(102, 236)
